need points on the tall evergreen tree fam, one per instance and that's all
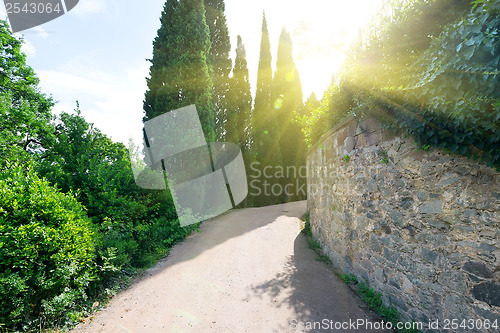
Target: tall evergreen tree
(162, 64)
(286, 99)
(179, 73)
(238, 125)
(311, 103)
(242, 100)
(266, 147)
(220, 62)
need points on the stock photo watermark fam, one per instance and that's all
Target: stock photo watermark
(365, 324)
(273, 181)
(26, 14)
(352, 325)
(205, 180)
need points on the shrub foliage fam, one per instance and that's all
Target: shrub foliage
(73, 223)
(46, 248)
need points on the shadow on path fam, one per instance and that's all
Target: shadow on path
(249, 270)
(315, 294)
(232, 224)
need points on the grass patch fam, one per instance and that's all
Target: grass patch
(306, 224)
(324, 258)
(313, 244)
(374, 301)
(349, 278)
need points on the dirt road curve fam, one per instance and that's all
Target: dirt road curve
(249, 270)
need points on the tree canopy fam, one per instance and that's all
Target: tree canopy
(180, 73)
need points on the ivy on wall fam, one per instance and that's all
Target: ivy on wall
(431, 70)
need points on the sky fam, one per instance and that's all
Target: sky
(97, 53)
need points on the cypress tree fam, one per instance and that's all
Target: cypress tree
(220, 62)
(266, 147)
(161, 65)
(286, 99)
(179, 73)
(310, 105)
(242, 101)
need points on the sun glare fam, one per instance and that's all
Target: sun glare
(322, 34)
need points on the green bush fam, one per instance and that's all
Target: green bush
(73, 224)
(133, 221)
(46, 250)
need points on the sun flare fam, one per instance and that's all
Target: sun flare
(322, 34)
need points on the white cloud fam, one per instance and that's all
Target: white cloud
(28, 48)
(86, 7)
(40, 32)
(113, 102)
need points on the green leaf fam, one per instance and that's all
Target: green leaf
(469, 52)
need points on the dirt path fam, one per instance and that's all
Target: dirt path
(249, 270)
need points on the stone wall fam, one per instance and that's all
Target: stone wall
(421, 227)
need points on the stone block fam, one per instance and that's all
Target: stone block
(479, 269)
(454, 307)
(487, 247)
(375, 244)
(398, 303)
(372, 125)
(487, 314)
(432, 207)
(428, 301)
(425, 272)
(429, 256)
(471, 212)
(456, 281)
(417, 155)
(341, 135)
(427, 169)
(390, 255)
(379, 275)
(394, 283)
(397, 218)
(365, 275)
(406, 202)
(386, 240)
(367, 264)
(448, 179)
(360, 127)
(373, 138)
(407, 285)
(437, 224)
(349, 144)
(360, 141)
(422, 195)
(352, 128)
(335, 142)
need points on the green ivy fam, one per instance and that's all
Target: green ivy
(453, 100)
(430, 70)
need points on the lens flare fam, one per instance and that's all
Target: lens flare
(278, 103)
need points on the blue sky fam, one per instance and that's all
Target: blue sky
(97, 52)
